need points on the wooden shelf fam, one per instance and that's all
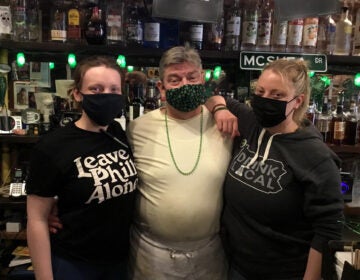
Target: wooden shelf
(12, 138)
(346, 149)
(13, 235)
(12, 203)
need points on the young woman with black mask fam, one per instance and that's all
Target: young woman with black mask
(282, 198)
(88, 165)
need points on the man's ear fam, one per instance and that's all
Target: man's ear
(161, 89)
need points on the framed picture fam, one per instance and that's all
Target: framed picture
(24, 95)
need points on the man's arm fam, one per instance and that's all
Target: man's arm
(226, 122)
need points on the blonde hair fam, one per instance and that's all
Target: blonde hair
(294, 71)
(177, 55)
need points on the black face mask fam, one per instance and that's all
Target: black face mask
(102, 108)
(269, 112)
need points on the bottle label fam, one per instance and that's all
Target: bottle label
(323, 125)
(134, 32)
(310, 35)
(114, 32)
(249, 32)
(295, 32)
(233, 26)
(264, 33)
(280, 33)
(196, 32)
(152, 32)
(339, 130)
(58, 35)
(73, 17)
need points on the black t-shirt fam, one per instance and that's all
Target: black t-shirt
(95, 180)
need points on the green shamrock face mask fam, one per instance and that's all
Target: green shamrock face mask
(186, 98)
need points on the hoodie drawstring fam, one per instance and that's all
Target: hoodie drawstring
(266, 154)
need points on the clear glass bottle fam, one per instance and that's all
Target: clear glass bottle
(265, 21)
(115, 10)
(310, 34)
(19, 21)
(233, 28)
(323, 120)
(133, 25)
(150, 103)
(249, 25)
(151, 31)
(294, 38)
(326, 35)
(95, 31)
(214, 34)
(356, 42)
(343, 33)
(196, 32)
(279, 35)
(33, 20)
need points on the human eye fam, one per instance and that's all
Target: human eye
(96, 89)
(173, 80)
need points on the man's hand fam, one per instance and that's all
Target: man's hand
(54, 221)
(227, 123)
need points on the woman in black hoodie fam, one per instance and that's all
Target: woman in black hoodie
(283, 201)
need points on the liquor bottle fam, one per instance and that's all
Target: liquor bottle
(294, 38)
(356, 42)
(351, 124)
(151, 32)
(311, 111)
(6, 21)
(343, 33)
(169, 33)
(133, 25)
(151, 102)
(95, 31)
(115, 10)
(33, 20)
(58, 23)
(20, 31)
(136, 107)
(323, 120)
(233, 28)
(264, 26)
(338, 123)
(214, 34)
(279, 35)
(310, 34)
(326, 35)
(73, 26)
(196, 32)
(249, 25)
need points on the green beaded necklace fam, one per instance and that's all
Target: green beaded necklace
(171, 151)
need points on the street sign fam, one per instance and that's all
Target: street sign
(258, 60)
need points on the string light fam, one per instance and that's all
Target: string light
(121, 61)
(20, 59)
(72, 60)
(217, 72)
(207, 75)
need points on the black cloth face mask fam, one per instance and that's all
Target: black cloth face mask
(102, 108)
(269, 112)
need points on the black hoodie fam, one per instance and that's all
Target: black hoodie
(282, 197)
